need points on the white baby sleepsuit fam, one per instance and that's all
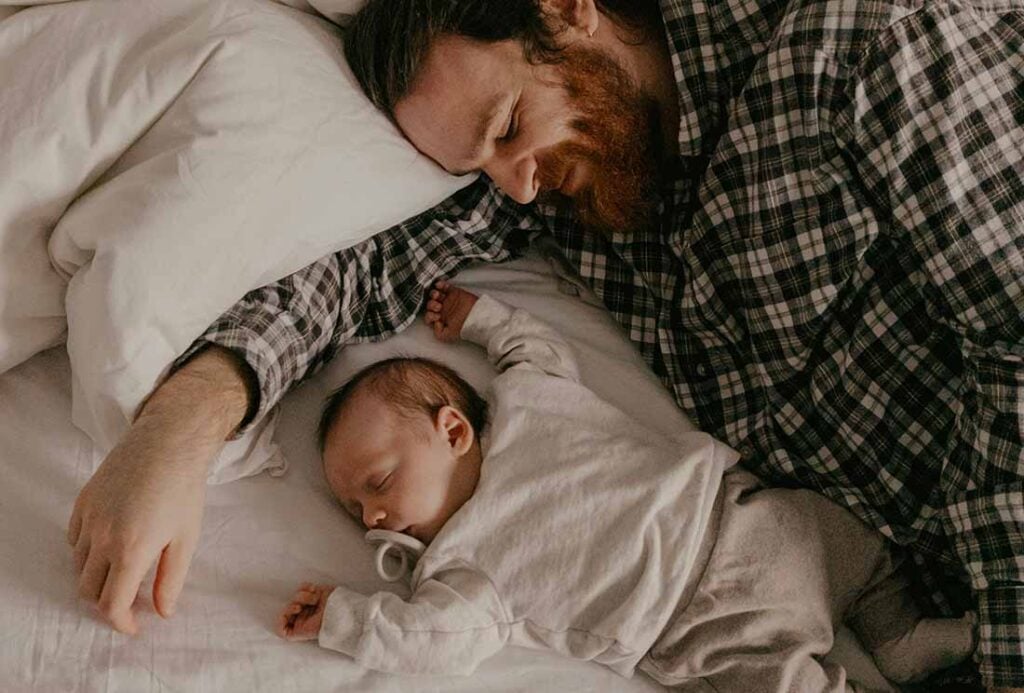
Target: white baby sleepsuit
(596, 537)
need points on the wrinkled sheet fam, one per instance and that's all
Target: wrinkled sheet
(263, 535)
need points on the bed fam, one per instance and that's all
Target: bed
(262, 535)
(273, 524)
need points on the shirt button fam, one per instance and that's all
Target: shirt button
(746, 451)
(702, 370)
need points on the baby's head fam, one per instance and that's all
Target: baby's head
(400, 445)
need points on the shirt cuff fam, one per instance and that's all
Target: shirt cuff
(263, 392)
(486, 316)
(342, 625)
(1000, 653)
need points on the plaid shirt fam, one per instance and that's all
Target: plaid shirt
(836, 288)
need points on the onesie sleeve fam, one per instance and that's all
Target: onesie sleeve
(450, 624)
(515, 339)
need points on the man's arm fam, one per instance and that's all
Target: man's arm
(939, 150)
(277, 335)
(144, 504)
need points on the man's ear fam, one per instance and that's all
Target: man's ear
(575, 16)
(456, 429)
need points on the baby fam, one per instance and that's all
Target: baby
(565, 524)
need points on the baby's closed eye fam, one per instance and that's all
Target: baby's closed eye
(384, 482)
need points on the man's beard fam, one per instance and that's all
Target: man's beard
(619, 140)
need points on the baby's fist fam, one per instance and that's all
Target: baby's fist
(447, 309)
(301, 618)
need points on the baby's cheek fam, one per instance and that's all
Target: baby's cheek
(352, 508)
(416, 508)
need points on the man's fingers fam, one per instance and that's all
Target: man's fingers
(80, 553)
(121, 588)
(75, 524)
(94, 574)
(170, 575)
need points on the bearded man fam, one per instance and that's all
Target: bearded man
(807, 215)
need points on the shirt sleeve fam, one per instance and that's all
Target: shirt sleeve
(451, 623)
(942, 158)
(515, 339)
(287, 330)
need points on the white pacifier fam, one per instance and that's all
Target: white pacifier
(407, 549)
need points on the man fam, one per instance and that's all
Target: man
(807, 217)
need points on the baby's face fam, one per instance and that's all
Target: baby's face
(400, 473)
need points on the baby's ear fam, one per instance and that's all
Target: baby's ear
(456, 428)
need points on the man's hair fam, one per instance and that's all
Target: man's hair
(412, 387)
(388, 40)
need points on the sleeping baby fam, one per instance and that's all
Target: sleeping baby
(545, 517)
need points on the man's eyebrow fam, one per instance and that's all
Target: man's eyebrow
(483, 131)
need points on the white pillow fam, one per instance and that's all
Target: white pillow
(183, 153)
(338, 11)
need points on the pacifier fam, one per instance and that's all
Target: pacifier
(407, 549)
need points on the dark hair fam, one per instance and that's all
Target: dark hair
(388, 39)
(413, 387)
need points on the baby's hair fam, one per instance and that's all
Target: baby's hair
(412, 386)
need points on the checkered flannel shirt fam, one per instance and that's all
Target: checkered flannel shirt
(836, 288)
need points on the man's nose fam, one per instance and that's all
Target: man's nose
(515, 174)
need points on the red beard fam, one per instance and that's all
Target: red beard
(619, 138)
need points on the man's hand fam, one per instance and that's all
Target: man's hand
(447, 309)
(302, 617)
(144, 504)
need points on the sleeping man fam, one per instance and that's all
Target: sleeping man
(560, 522)
(807, 216)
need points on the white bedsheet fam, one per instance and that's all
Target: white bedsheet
(261, 536)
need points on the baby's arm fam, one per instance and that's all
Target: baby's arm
(301, 617)
(511, 336)
(448, 626)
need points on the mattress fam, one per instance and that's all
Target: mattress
(263, 535)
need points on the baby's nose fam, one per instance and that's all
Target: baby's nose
(372, 517)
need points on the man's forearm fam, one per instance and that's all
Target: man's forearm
(199, 406)
(144, 505)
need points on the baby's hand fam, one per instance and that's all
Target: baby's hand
(301, 618)
(447, 309)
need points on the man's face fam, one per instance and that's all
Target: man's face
(579, 128)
